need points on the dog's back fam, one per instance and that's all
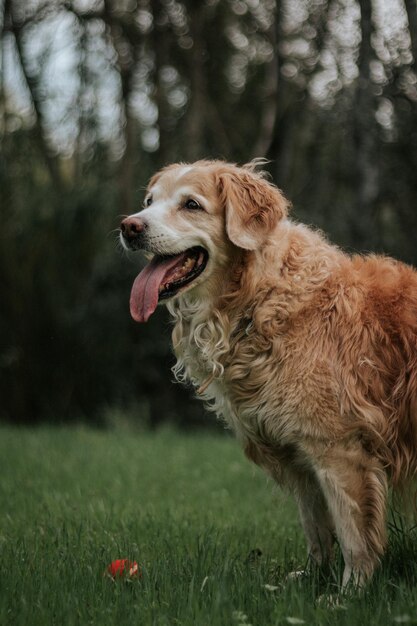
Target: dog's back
(378, 357)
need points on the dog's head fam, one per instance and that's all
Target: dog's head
(195, 220)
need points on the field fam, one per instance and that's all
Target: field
(215, 538)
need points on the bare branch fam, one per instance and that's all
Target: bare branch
(31, 82)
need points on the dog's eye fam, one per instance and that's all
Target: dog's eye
(148, 201)
(192, 204)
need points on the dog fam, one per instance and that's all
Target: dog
(308, 354)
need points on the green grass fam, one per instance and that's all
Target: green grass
(191, 510)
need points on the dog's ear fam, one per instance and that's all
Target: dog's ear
(253, 207)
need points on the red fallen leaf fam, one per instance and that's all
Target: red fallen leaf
(123, 568)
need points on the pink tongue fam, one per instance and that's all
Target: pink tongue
(145, 290)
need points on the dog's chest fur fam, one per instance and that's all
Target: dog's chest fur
(246, 380)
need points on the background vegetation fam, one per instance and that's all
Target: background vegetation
(97, 94)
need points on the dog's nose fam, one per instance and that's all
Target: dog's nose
(132, 227)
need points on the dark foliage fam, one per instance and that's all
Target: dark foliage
(154, 82)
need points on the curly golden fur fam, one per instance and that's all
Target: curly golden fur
(308, 354)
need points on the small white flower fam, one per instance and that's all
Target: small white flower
(240, 618)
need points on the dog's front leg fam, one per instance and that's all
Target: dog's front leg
(315, 518)
(303, 483)
(354, 486)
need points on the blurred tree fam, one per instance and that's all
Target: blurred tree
(97, 94)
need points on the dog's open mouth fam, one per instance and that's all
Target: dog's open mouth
(163, 278)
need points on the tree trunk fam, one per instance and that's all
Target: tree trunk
(196, 115)
(411, 8)
(364, 135)
(270, 102)
(160, 45)
(127, 53)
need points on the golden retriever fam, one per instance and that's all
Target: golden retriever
(308, 354)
